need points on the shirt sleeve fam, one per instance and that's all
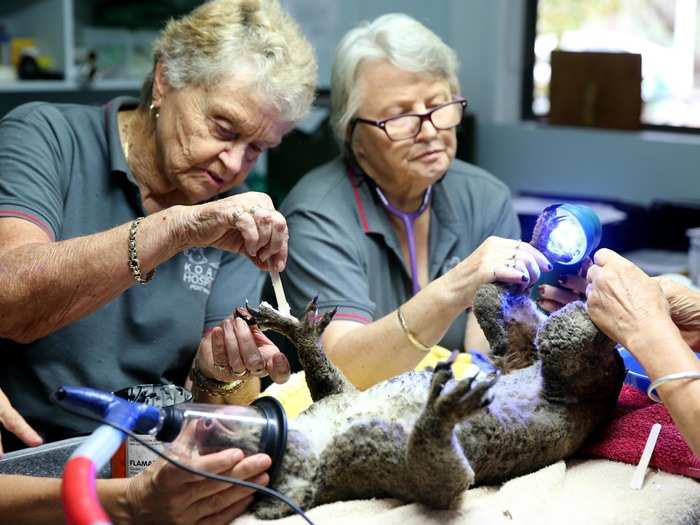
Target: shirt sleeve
(506, 223)
(237, 281)
(325, 261)
(32, 168)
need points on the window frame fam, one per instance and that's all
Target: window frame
(527, 94)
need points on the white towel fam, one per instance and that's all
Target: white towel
(580, 492)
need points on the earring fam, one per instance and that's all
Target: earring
(153, 108)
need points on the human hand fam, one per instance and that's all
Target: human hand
(234, 349)
(622, 300)
(502, 260)
(14, 423)
(245, 223)
(685, 309)
(571, 288)
(165, 494)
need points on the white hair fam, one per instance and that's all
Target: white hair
(395, 37)
(222, 37)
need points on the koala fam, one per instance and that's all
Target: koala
(426, 437)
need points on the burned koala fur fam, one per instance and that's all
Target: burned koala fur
(425, 437)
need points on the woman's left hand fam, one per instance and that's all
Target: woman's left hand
(234, 349)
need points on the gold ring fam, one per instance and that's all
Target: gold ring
(223, 368)
(238, 375)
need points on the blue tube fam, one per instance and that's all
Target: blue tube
(106, 405)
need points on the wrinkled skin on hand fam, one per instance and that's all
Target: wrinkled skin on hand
(685, 309)
(425, 437)
(164, 494)
(246, 223)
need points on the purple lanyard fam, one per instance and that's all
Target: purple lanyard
(408, 219)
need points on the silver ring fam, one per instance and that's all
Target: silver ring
(255, 208)
(237, 214)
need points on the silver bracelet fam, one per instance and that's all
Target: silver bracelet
(409, 335)
(665, 379)
(134, 265)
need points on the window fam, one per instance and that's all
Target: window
(664, 32)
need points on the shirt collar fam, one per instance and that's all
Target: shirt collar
(117, 161)
(445, 224)
(373, 216)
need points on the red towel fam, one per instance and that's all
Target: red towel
(624, 437)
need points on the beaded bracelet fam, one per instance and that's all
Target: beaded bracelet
(665, 379)
(409, 335)
(134, 265)
(212, 387)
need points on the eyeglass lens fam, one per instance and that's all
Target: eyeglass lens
(445, 117)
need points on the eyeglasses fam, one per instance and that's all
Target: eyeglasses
(408, 125)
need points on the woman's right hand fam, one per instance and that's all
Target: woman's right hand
(165, 494)
(245, 223)
(623, 301)
(15, 423)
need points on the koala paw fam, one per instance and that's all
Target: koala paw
(458, 400)
(311, 324)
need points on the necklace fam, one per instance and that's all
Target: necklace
(125, 134)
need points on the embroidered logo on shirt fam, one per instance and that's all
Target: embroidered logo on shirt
(199, 272)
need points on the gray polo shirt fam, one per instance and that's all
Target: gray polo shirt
(62, 168)
(343, 248)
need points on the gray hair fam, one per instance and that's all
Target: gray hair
(395, 37)
(221, 37)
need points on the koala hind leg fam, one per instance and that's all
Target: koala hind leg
(435, 462)
(322, 377)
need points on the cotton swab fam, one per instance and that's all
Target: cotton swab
(282, 304)
(641, 470)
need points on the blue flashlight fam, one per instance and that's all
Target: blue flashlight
(566, 234)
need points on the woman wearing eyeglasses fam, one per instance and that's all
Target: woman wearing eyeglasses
(397, 233)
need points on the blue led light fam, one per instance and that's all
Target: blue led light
(566, 233)
(567, 241)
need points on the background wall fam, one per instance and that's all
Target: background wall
(632, 166)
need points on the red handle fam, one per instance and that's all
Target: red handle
(78, 494)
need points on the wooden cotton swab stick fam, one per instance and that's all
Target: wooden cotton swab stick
(282, 304)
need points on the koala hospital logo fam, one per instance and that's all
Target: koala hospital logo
(199, 271)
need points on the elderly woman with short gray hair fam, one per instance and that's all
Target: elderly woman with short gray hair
(126, 243)
(397, 233)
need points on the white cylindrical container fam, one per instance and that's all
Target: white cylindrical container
(694, 255)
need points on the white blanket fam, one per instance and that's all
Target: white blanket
(578, 492)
